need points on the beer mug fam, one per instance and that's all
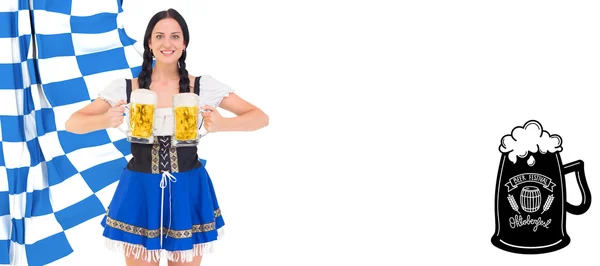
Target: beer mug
(531, 201)
(187, 122)
(139, 117)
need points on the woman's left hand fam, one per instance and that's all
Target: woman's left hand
(212, 118)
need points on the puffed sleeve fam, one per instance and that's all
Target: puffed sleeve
(212, 91)
(114, 92)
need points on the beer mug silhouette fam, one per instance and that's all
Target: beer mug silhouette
(139, 117)
(530, 199)
(188, 121)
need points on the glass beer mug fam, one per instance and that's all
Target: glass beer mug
(187, 126)
(139, 117)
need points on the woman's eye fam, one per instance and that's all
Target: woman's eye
(176, 36)
(158, 36)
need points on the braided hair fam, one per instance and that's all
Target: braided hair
(145, 76)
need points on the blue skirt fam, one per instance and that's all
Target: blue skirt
(191, 217)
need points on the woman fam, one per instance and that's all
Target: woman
(165, 205)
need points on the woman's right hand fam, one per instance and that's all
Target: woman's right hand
(115, 114)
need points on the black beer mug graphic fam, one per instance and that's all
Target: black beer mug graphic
(530, 199)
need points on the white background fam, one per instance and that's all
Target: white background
(385, 121)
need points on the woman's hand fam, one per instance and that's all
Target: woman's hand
(114, 115)
(212, 118)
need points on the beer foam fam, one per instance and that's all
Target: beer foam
(530, 138)
(185, 99)
(143, 96)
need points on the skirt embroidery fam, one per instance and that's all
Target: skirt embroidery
(132, 229)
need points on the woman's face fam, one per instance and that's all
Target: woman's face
(166, 41)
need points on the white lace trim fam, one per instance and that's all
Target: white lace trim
(140, 252)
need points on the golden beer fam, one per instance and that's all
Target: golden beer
(186, 122)
(141, 120)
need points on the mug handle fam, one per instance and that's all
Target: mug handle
(586, 199)
(125, 121)
(200, 134)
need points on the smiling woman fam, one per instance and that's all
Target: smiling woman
(165, 205)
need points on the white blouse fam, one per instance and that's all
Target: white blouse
(212, 92)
